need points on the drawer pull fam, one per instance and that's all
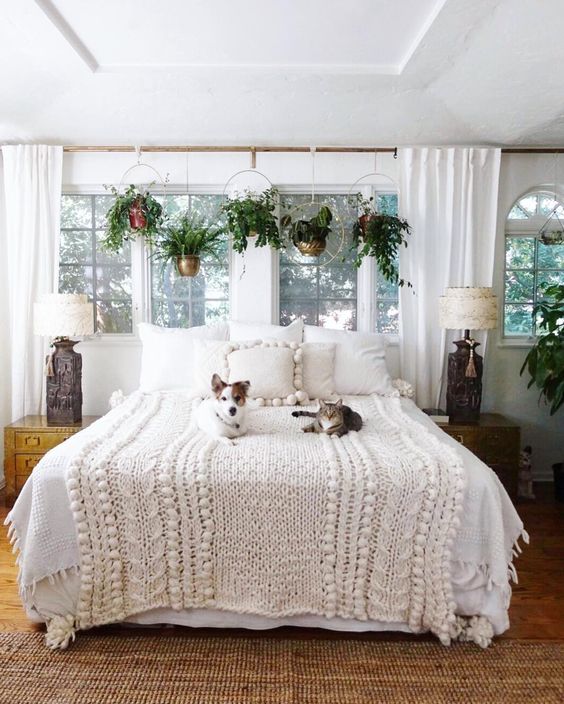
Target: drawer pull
(32, 440)
(459, 438)
(31, 462)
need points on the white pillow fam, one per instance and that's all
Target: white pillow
(319, 366)
(360, 360)
(262, 331)
(274, 369)
(168, 358)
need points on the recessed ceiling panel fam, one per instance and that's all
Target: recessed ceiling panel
(363, 35)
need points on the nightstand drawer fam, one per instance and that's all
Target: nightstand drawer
(502, 445)
(38, 442)
(25, 464)
(469, 437)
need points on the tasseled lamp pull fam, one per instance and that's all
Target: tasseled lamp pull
(471, 367)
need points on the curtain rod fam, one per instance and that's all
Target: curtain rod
(326, 150)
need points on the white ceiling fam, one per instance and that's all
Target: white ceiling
(377, 72)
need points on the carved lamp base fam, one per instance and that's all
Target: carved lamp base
(64, 384)
(464, 388)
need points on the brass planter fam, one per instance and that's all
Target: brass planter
(188, 265)
(313, 248)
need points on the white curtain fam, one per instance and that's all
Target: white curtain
(449, 197)
(29, 241)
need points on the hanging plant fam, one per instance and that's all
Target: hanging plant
(310, 236)
(380, 236)
(185, 241)
(134, 213)
(252, 215)
(545, 360)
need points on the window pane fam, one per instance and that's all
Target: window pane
(387, 203)
(75, 247)
(387, 317)
(323, 294)
(84, 267)
(519, 286)
(548, 204)
(386, 289)
(520, 252)
(518, 319)
(551, 256)
(182, 301)
(548, 278)
(529, 204)
(517, 213)
(76, 211)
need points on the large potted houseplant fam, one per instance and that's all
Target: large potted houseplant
(545, 361)
(133, 213)
(252, 214)
(310, 236)
(185, 241)
(380, 236)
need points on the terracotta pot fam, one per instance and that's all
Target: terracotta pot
(252, 233)
(311, 249)
(137, 219)
(363, 221)
(188, 265)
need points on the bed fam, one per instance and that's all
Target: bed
(141, 518)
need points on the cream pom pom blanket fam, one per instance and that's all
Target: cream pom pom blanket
(282, 523)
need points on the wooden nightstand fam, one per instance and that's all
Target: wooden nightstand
(496, 441)
(25, 443)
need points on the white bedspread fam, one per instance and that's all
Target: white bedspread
(480, 564)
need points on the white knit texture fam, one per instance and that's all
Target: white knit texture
(282, 523)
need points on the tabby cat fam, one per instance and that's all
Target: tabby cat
(331, 418)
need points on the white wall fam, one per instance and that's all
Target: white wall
(111, 364)
(505, 391)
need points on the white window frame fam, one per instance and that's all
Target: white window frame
(523, 228)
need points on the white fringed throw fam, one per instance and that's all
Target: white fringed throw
(283, 523)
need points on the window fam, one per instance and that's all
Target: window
(178, 301)
(387, 295)
(322, 295)
(85, 268)
(529, 264)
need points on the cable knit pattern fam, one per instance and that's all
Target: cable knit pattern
(282, 523)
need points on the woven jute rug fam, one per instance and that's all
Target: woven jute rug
(182, 667)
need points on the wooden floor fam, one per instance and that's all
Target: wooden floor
(537, 607)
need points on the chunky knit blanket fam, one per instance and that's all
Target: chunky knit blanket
(282, 523)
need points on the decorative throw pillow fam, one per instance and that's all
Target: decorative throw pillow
(318, 369)
(259, 331)
(360, 361)
(167, 360)
(274, 369)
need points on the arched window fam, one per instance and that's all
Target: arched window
(529, 263)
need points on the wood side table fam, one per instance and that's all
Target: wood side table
(26, 441)
(496, 441)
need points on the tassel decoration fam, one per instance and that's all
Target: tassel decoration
(471, 367)
(49, 368)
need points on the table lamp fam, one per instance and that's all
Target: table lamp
(466, 309)
(60, 316)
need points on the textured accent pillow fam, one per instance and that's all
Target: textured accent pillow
(360, 361)
(259, 331)
(167, 360)
(318, 369)
(274, 369)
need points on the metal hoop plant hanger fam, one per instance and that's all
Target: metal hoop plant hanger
(143, 164)
(353, 203)
(333, 245)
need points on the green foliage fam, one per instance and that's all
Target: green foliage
(381, 237)
(188, 235)
(118, 229)
(253, 213)
(316, 228)
(545, 361)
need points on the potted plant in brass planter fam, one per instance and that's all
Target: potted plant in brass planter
(310, 236)
(379, 235)
(133, 213)
(185, 241)
(252, 215)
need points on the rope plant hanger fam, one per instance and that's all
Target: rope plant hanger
(135, 211)
(313, 229)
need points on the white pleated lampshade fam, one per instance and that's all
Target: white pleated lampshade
(468, 308)
(63, 315)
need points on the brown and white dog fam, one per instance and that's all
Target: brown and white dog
(225, 415)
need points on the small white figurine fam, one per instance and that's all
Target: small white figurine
(526, 474)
